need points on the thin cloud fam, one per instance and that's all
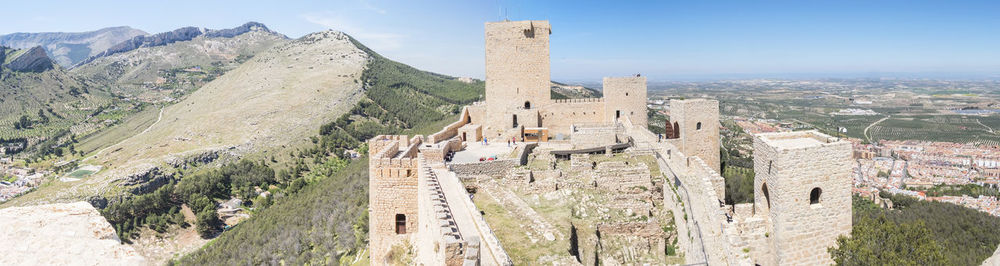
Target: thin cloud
(380, 41)
(369, 6)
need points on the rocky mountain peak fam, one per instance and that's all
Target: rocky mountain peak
(32, 60)
(179, 35)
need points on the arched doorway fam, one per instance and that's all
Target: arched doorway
(677, 130)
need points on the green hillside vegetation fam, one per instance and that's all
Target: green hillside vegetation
(917, 233)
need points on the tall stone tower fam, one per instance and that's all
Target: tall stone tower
(697, 123)
(517, 71)
(392, 192)
(625, 96)
(802, 188)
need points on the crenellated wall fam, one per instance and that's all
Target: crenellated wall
(392, 182)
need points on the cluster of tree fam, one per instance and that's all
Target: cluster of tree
(23, 123)
(161, 208)
(13, 145)
(52, 145)
(238, 179)
(959, 190)
(739, 175)
(655, 120)
(739, 184)
(157, 210)
(314, 226)
(917, 233)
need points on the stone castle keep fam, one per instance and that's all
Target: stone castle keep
(420, 206)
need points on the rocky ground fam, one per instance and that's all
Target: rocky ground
(61, 234)
(569, 213)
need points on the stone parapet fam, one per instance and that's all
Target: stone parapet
(495, 168)
(579, 100)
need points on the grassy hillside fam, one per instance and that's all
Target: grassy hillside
(55, 106)
(326, 222)
(43, 106)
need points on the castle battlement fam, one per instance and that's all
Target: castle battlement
(580, 100)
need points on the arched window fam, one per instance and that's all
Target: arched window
(400, 224)
(767, 196)
(814, 195)
(515, 121)
(677, 130)
(697, 126)
(527, 105)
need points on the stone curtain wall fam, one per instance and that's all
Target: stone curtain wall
(792, 165)
(495, 168)
(702, 143)
(590, 137)
(710, 228)
(451, 130)
(517, 69)
(626, 95)
(439, 242)
(560, 116)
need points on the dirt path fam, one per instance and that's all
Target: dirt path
(873, 124)
(158, 118)
(988, 128)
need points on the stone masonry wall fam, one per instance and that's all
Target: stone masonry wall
(439, 241)
(590, 137)
(621, 177)
(790, 166)
(701, 142)
(517, 69)
(560, 116)
(625, 96)
(496, 168)
(392, 190)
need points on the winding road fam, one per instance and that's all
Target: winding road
(873, 124)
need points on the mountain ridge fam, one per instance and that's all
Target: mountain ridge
(69, 48)
(177, 35)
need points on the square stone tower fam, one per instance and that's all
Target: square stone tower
(802, 189)
(625, 96)
(517, 71)
(392, 192)
(696, 122)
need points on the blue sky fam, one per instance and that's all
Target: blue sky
(662, 39)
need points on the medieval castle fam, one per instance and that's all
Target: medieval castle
(419, 205)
